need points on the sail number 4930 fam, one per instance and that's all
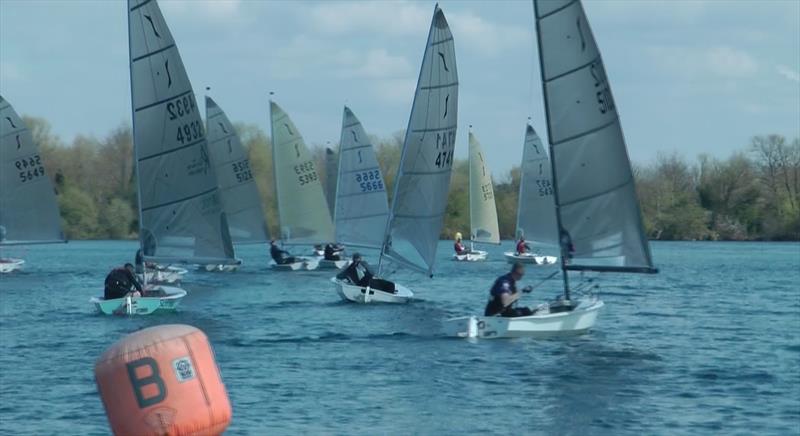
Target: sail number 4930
(445, 143)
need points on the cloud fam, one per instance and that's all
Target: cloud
(394, 91)
(218, 11)
(10, 71)
(788, 73)
(730, 62)
(473, 32)
(393, 18)
(377, 63)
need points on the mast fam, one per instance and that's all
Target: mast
(564, 250)
(133, 137)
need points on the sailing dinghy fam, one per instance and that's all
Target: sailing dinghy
(28, 207)
(423, 177)
(597, 211)
(482, 208)
(361, 204)
(536, 218)
(302, 209)
(240, 198)
(181, 216)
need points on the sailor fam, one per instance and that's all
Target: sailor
(504, 294)
(121, 282)
(358, 272)
(459, 246)
(281, 257)
(522, 246)
(139, 261)
(332, 252)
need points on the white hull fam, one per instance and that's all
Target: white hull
(540, 325)
(358, 294)
(218, 268)
(164, 275)
(333, 264)
(9, 265)
(473, 256)
(530, 258)
(303, 265)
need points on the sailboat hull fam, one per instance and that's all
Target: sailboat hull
(540, 325)
(530, 258)
(359, 294)
(164, 275)
(8, 265)
(302, 265)
(168, 302)
(473, 256)
(333, 264)
(218, 268)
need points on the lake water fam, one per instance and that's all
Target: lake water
(710, 345)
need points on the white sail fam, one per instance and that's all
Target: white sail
(240, 198)
(595, 195)
(331, 173)
(423, 178)
(302, 209)
(536, 214)
(482, 207)
(181, 215)
(28, 207)
(361, 204)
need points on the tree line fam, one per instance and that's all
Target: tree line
(754, 194)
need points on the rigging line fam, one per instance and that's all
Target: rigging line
(530, 69)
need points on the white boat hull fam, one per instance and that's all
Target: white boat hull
(359, 294)
(473, 256)
(530, 258)
(218, 268)
(333, 264)
(8, 265)
(301, 265)
(540, 325)
(167, 302)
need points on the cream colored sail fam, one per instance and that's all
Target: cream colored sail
(482, 207)
(302, 208)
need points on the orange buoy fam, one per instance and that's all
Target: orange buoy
(163, 381)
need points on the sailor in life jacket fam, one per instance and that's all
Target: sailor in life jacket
(522, 246)
(459, 247)
(504, 294)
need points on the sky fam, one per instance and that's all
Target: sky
(688, 76)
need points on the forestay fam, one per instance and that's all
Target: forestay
(482, 207)
(28, 207)
(302, 209)
(240, 198)
(181, 215)
(536, 215)
(331, 170)
(423, 179)
(595, 195)
(361, 205)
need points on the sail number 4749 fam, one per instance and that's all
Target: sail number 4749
(445, 143)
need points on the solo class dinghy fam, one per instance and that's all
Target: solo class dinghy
(423, 177)
(536, 218)
(361, 204)
(597, 211)
(240, 198)
(28, 207)
(482, 208)
(181, 217)
(302, 209)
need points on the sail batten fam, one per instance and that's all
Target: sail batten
(181, 214)
(302, 208)
(28, 206)
(423, 176)
(240, 197)
(599, 222)
(361, 207)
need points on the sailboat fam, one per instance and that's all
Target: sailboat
(181, 216)
(361, 204)
(238, 191)
(28, 207)
(423, 177)
(302, 209)
(536, 218)
(597, 212)
(482, 208)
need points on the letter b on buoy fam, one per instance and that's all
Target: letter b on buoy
(163, 381)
